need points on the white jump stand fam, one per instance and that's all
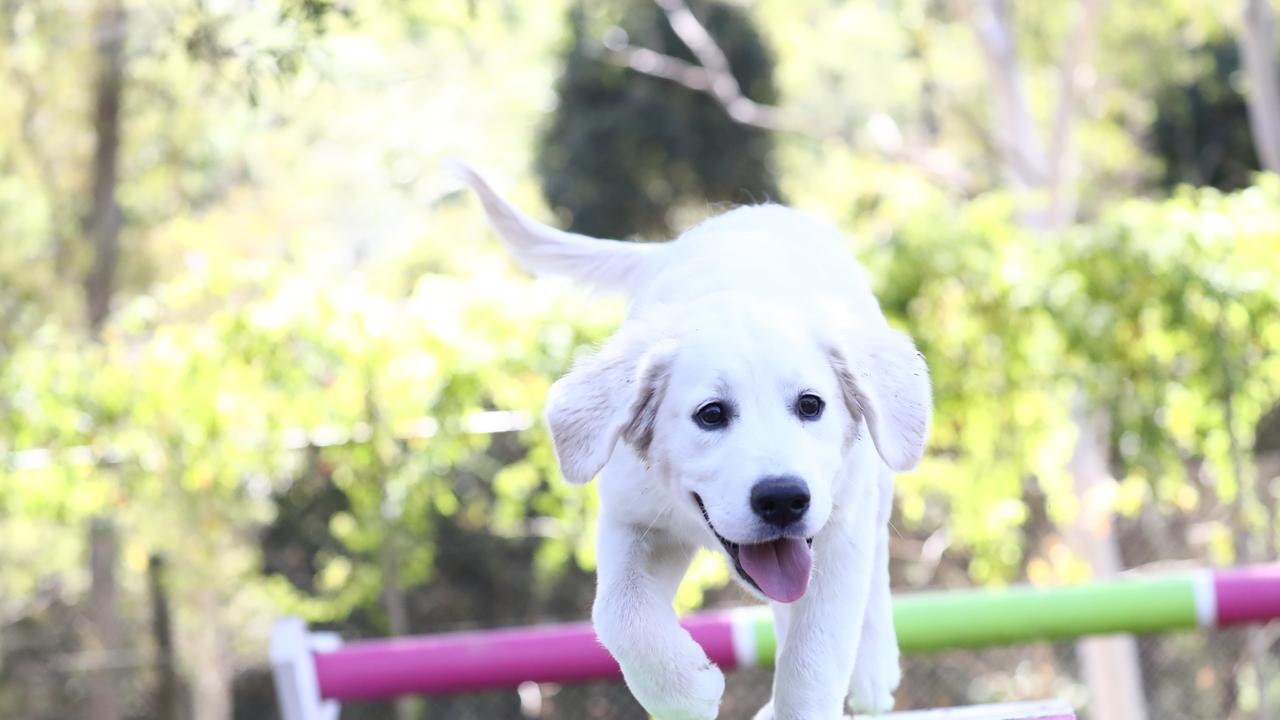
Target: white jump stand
(1043, 710)
(293, 665)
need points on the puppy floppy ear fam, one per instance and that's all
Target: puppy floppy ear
(614, 394)
(885, 380)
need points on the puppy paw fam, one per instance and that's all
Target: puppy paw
(692, 694)
(871, 692)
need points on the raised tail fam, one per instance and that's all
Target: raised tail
(544, 250)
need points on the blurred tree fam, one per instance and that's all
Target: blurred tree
(103, 230)
(624, 150)
(79, 179)
(1258, 47)
(103, 222)
(1047, 166)
(1201, 127)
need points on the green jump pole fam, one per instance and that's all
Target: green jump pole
(962, 619)
(940, 620)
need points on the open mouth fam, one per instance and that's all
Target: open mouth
(778, 568)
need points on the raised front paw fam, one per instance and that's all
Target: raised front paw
(691, 692)
(871, 690)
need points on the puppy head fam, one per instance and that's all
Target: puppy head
(745, 414)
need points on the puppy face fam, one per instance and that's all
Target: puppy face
(751, 398)
(749, 436)
(744, 415)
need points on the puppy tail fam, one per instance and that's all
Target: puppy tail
(544, 250)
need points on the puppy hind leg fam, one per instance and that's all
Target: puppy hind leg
(666, 671)
(877, 670)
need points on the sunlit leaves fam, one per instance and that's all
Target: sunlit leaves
(1164, 311)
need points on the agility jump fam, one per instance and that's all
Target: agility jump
(315, 671)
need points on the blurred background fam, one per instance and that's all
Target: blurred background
(260, 356)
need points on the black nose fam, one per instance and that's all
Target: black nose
(780, 500)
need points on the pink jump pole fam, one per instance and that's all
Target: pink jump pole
(454, 662)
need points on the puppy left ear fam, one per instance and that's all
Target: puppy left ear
(885, 380)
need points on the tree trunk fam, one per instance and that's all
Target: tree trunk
(104, 620)
(211, 684)
(1028, 165)
(1023, 158)
(164, 703)
(1110, 664)
(1061, 162)
(1258, 48)
(393, 602)
(104, 227)
(103, 223)
(1111, 667)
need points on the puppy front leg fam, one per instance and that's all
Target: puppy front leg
(817, 656)
(638, 572)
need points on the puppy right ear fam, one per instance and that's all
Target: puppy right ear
(613, 394)
(886, 381)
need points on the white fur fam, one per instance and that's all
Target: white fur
(752, 308)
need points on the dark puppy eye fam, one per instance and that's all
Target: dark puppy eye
(809, 407)
(712, 416)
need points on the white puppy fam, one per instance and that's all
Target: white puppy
(756, 402)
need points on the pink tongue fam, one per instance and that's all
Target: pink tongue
(780, 568)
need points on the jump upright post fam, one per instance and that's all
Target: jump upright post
(314, 673)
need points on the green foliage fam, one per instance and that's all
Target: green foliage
(1162, 312)
(1184, 323)
(210, 415)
